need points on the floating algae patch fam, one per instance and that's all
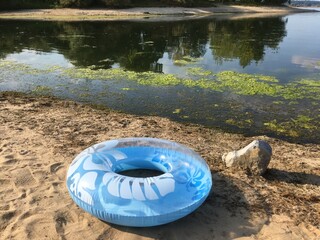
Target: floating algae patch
(305, 122)
(198, 72)
(177, 111)
(302, 128)
(41, 90)
(231, 81)
(181, 62)
(243, 123)
(242, 120)
(283, 128)
(17, 68)
(25, 68)
(143, 78)
(186, 60)
(304, 88)
(278, 102)
(156, 79)
(295, 127)
(249, 84)
(309, 82)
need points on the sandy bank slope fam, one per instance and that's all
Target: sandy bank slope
(39, 137)
(99, 14)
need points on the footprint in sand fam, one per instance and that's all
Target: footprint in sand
(10, 161)
(23, 178)
(6, 156)
(109, 233)
(55, 167)
(6, 217)
(23, 152)
(61, 220)
(5, 149)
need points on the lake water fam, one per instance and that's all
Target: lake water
(247, 75)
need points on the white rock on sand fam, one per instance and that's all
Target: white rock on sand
(253, 158)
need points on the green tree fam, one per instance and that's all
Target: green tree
(76, 3)
(26, 4)
(115, 3)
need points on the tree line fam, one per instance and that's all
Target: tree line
(29, 4)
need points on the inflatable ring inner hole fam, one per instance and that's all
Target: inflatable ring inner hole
(139, 169)
(141, 173)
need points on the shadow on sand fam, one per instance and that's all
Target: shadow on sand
(226, 214)
(292, 177)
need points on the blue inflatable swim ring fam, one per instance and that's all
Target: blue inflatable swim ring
(95, 185)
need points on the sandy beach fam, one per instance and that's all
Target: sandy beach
(68, 14)
(40, 136)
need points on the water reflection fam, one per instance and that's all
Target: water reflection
(39, 60)
(140, 46)
(245, 40)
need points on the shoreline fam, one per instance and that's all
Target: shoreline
(41, 135)
(140, 13)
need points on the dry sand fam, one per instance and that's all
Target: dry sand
(138, 13)
(40, 136)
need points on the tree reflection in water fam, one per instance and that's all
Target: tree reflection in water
(138, 46)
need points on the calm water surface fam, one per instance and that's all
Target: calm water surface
(286, 48)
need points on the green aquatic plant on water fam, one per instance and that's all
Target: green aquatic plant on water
(278, 102)
(241, 122)
(294, 127)
(304, 122)
(309, 82)
(198, 71)
(238, 83)
(180, 62)
(249, 84)
(281, 128)
(41, 90)
(13, 66)
(177, 111)
(186, 60)
(156, 79)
